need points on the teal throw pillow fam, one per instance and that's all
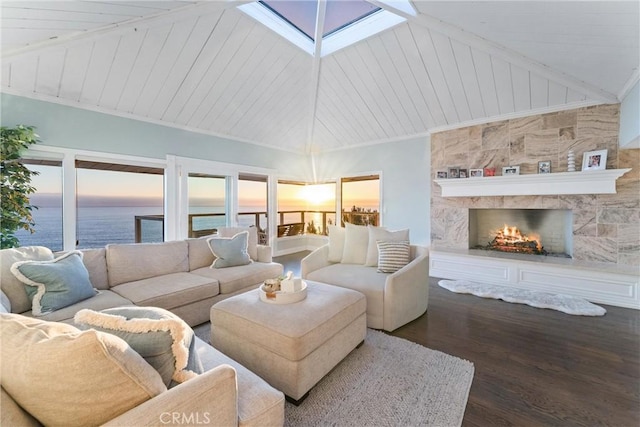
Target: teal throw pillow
(56, 283)
(163, 339)
(230, 252)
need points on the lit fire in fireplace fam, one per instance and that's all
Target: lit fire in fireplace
(510, 239)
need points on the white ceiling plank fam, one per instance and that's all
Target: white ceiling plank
(432, 64)
(188, 54)
(120, 71)
(42, 24)
(539, 91)
(451, 72)
(389, 102)
(469, 77)
(395, 81)
(168, 56)
(23, 74)
(222, 28)
(31, 17)
(419, 71)
(504, 85)
(557, 93)
(145, 62)
(102, 57)
(407, 78)
(203, 98)
(315, 71)
(50, 66)
(332, 118)
(484, 72)
(521, 88)
(573, 96)
(75, 70)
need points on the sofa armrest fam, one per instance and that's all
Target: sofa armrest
(209, 399)
(406, 293)
(314, 261)
(265, 254)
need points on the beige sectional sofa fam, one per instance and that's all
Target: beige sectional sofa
(393, 299)
(175, 276)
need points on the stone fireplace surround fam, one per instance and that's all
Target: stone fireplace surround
(605, 227)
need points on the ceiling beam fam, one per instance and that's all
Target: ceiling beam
(180, 13)
(315, 73)
(502, 52)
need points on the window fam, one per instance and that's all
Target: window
(112, 199)
(361, 200)
(305, 208)
(253, 203)
(207, 203)
(48, 200)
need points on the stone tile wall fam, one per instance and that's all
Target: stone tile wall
(606, 227)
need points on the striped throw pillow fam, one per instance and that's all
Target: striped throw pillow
(392, 256)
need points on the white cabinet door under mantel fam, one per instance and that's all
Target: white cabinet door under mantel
(585, 182)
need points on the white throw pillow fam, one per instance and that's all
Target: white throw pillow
(356, 241)
(380, 233)
(336, 243)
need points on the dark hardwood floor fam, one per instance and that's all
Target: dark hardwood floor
(533, 367)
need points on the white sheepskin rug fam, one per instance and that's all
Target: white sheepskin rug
(564, 303)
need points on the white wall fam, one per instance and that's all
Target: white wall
(405, 168)
(630, 119)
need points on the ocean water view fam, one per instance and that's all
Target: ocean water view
(99, 226)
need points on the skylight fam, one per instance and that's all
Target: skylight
(344, 22)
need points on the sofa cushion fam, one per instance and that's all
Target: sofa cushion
(336, 243)
(252, 244)
(230, 251)
(200, 254)
(96, 262)
(393, 256)
(169, 291)
(56, 283)
(102, 300)
(137, 261)
(5, 304)
(233, 279)
(163, 339)
(356, 241)
(11, 286)
(44, 373)
(381, 233)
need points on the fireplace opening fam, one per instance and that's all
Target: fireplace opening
(524, 231)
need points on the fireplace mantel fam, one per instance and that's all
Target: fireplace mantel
(585, 182)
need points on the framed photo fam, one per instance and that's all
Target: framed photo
(475, 173)
(489, 171)
(544, 166)
(441, 174)
(594, 160)
(511, 170)
(463, 173)
(454, 172)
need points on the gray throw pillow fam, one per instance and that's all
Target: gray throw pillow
(164, 340)
(54, 284)
(230, 252)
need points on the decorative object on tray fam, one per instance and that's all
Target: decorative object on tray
(475, 173)
(283, 290)
(544, 166)
(571, 161)
(511, 170)
(594, 160)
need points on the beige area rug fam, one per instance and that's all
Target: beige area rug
(388, 381)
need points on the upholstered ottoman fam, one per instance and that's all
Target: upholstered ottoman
(291, 346)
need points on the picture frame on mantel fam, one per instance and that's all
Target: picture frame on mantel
(594, 160)
(544, 166)
(511, 170)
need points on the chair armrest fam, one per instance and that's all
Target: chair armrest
(265, 253)
(314, 261)
(210, 398)
(406, 293)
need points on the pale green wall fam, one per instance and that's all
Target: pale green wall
(404, 164)
(68, 127)
(405, 168)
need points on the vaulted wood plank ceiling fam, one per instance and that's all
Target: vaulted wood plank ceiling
(208, 67)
